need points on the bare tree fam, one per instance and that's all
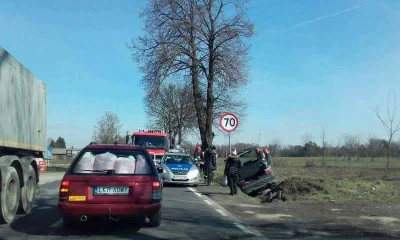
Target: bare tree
(197, 38)
(350, 143)
(337, 147)
(171, 109)
(324, 144)
(391, 124)
(373, 147)
(306, 139)
(274, 146)
(357, 145)
(107, 129)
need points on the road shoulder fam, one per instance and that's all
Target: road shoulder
(309, 219)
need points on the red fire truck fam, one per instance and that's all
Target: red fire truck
(155, 141)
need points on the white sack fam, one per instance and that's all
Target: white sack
(105, 161)
(125, 166)
(86, 163)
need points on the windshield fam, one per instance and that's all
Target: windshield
(112, 161)
(151, 141)
(177, 159)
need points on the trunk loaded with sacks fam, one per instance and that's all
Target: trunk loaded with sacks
(22, 136)
(255, 175)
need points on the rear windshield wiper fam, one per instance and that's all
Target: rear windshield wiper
(109, 171)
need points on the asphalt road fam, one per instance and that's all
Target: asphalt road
(186, 215)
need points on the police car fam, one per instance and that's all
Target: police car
(179, 168)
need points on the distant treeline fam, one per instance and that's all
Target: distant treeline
(350, 148)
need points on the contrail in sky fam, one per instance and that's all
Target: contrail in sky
(321, 18)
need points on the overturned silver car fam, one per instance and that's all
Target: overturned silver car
(179, 168)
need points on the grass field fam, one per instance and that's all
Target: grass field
(339, 162)
(342, 180)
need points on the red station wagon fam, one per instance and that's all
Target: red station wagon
(113, 181)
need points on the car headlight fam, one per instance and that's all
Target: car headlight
(193, 172)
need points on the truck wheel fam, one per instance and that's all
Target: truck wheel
(28, 192)
(9, 196)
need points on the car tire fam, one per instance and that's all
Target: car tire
(155, 221)
(28, 192)
(10, 195)
(197, 183)
(69, 222)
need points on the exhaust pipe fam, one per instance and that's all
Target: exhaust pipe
(116, 219)
(83, 218)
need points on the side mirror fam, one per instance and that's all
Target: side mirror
(160, 170)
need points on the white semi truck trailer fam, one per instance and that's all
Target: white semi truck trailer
(22, 136)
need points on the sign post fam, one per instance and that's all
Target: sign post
(229, 122)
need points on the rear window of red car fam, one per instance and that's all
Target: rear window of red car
(120, 162)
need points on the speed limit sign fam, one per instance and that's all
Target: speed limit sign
(229, 122)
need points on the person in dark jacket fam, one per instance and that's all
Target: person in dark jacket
(210, 164)
(232, 168)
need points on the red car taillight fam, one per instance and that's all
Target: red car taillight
(268, 171)
(157, 192)
(64, 188)
(242, 183)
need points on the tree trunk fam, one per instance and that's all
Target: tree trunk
(387, 158)
(180, 134)
(388, 154)
(194, 68)
(210, 82)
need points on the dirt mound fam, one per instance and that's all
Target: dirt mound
(292, 188)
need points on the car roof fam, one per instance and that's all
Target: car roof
(114, 146)
(149, 134)
(177, 154)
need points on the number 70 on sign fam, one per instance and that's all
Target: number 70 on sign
(228, 122)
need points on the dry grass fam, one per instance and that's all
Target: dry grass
(342, 180)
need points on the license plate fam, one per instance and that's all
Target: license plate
(111, 190)
(77, 198)
(180, 177)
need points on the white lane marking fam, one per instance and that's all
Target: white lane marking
(236, 221)
(221, 212)
(208, 202)
(250, 212)
(249, 206)
(195, 192)
(57, 224)
(180, 200)
(243, 228)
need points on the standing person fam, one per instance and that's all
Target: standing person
(210, 164)
(197, 152)
(267, 157)
(197, 157)
(234, 153)
(232, 168)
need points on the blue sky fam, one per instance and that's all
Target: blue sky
(314, 63)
